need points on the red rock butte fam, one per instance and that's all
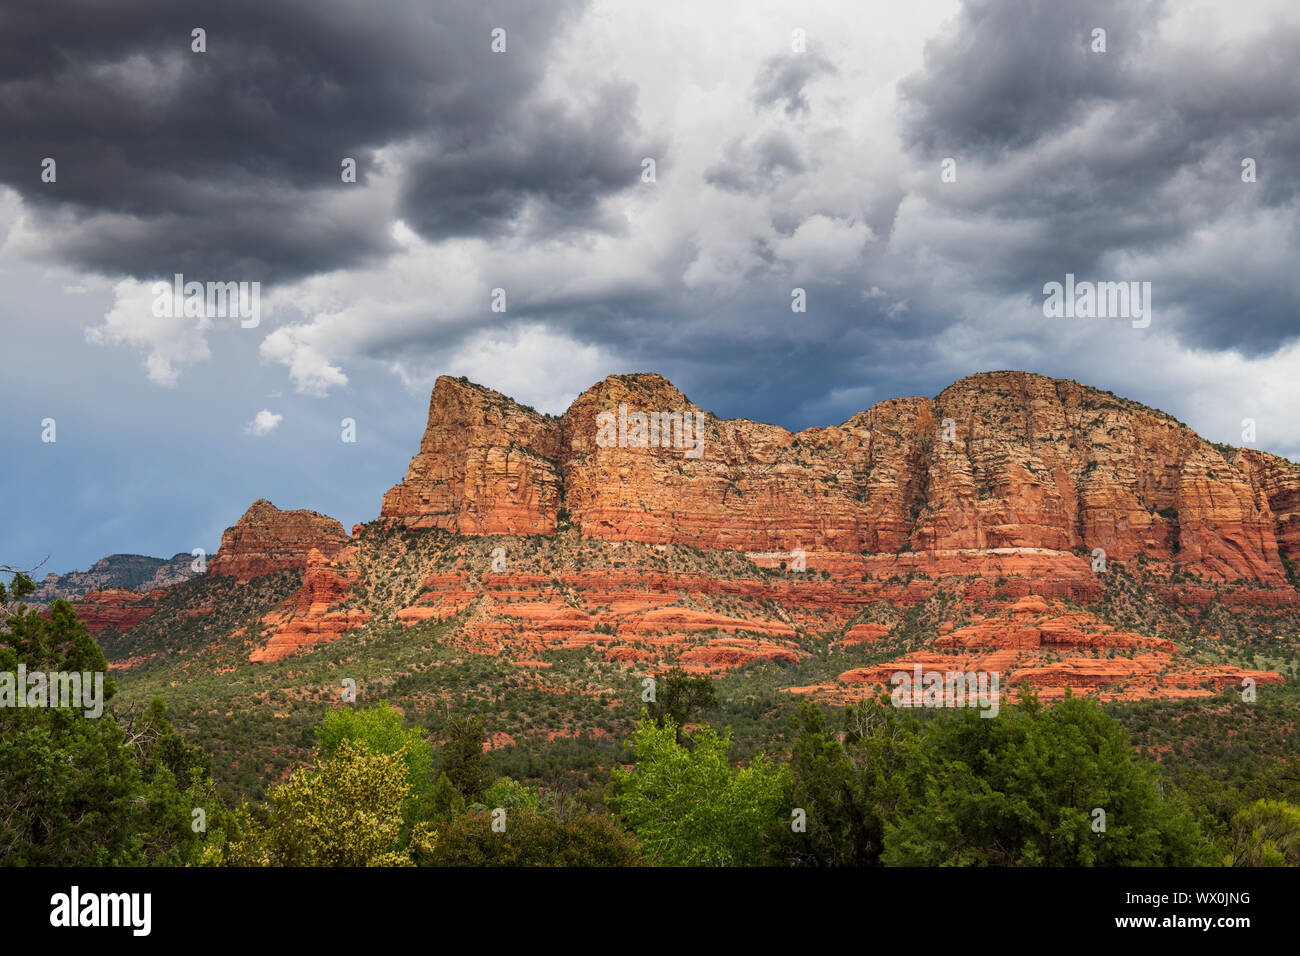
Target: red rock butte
(267, 539)
(997, 460)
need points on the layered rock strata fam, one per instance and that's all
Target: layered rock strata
(999, 460)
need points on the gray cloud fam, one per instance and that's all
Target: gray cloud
(757, 166)
(1111, 166)
(1005, 73)
(1085, 162)
(783, 77)
(563, 159)
(229, 160)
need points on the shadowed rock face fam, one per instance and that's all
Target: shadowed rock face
(997, 460)
(267, 539)
(115, 609)
(1276, 483)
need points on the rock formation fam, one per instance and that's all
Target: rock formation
(115, 609)
(486, 465)
(310, 618)
(267, 539)
(1053, 647)
(1277, 483)
(713, 544)
(133, 572)
(998, 460)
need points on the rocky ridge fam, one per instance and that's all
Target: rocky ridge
(997, 460)
(1005, 491)
(130, 572)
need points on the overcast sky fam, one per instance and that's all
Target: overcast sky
(775, 168)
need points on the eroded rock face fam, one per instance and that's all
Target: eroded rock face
(1276, 482)
(749, 486)
(267, 539)
(998, 460)
(115, 609)
(996, 489)
(486, 465)
(311, 616)
(1044, 463)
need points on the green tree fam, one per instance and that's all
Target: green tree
(534, 838)
(445, 801)
(509, 795)
(381, 730)
(1024, 788)
(464, 758)
(849, 784)
(690, 807)
(344, 811)
(79, 790)
(1266, 833)
(679, 696)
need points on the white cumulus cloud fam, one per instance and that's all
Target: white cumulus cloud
(263, 423)
(172, 342)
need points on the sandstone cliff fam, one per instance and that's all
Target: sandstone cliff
(1277, 483)
(310, 618)
(115, 609)
(486, 465)
(997, 460)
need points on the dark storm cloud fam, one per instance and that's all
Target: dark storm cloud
(230, 159)
(1130, 155)
(563, 159)
(1008, 72)
(747, 354)
(783, 77)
